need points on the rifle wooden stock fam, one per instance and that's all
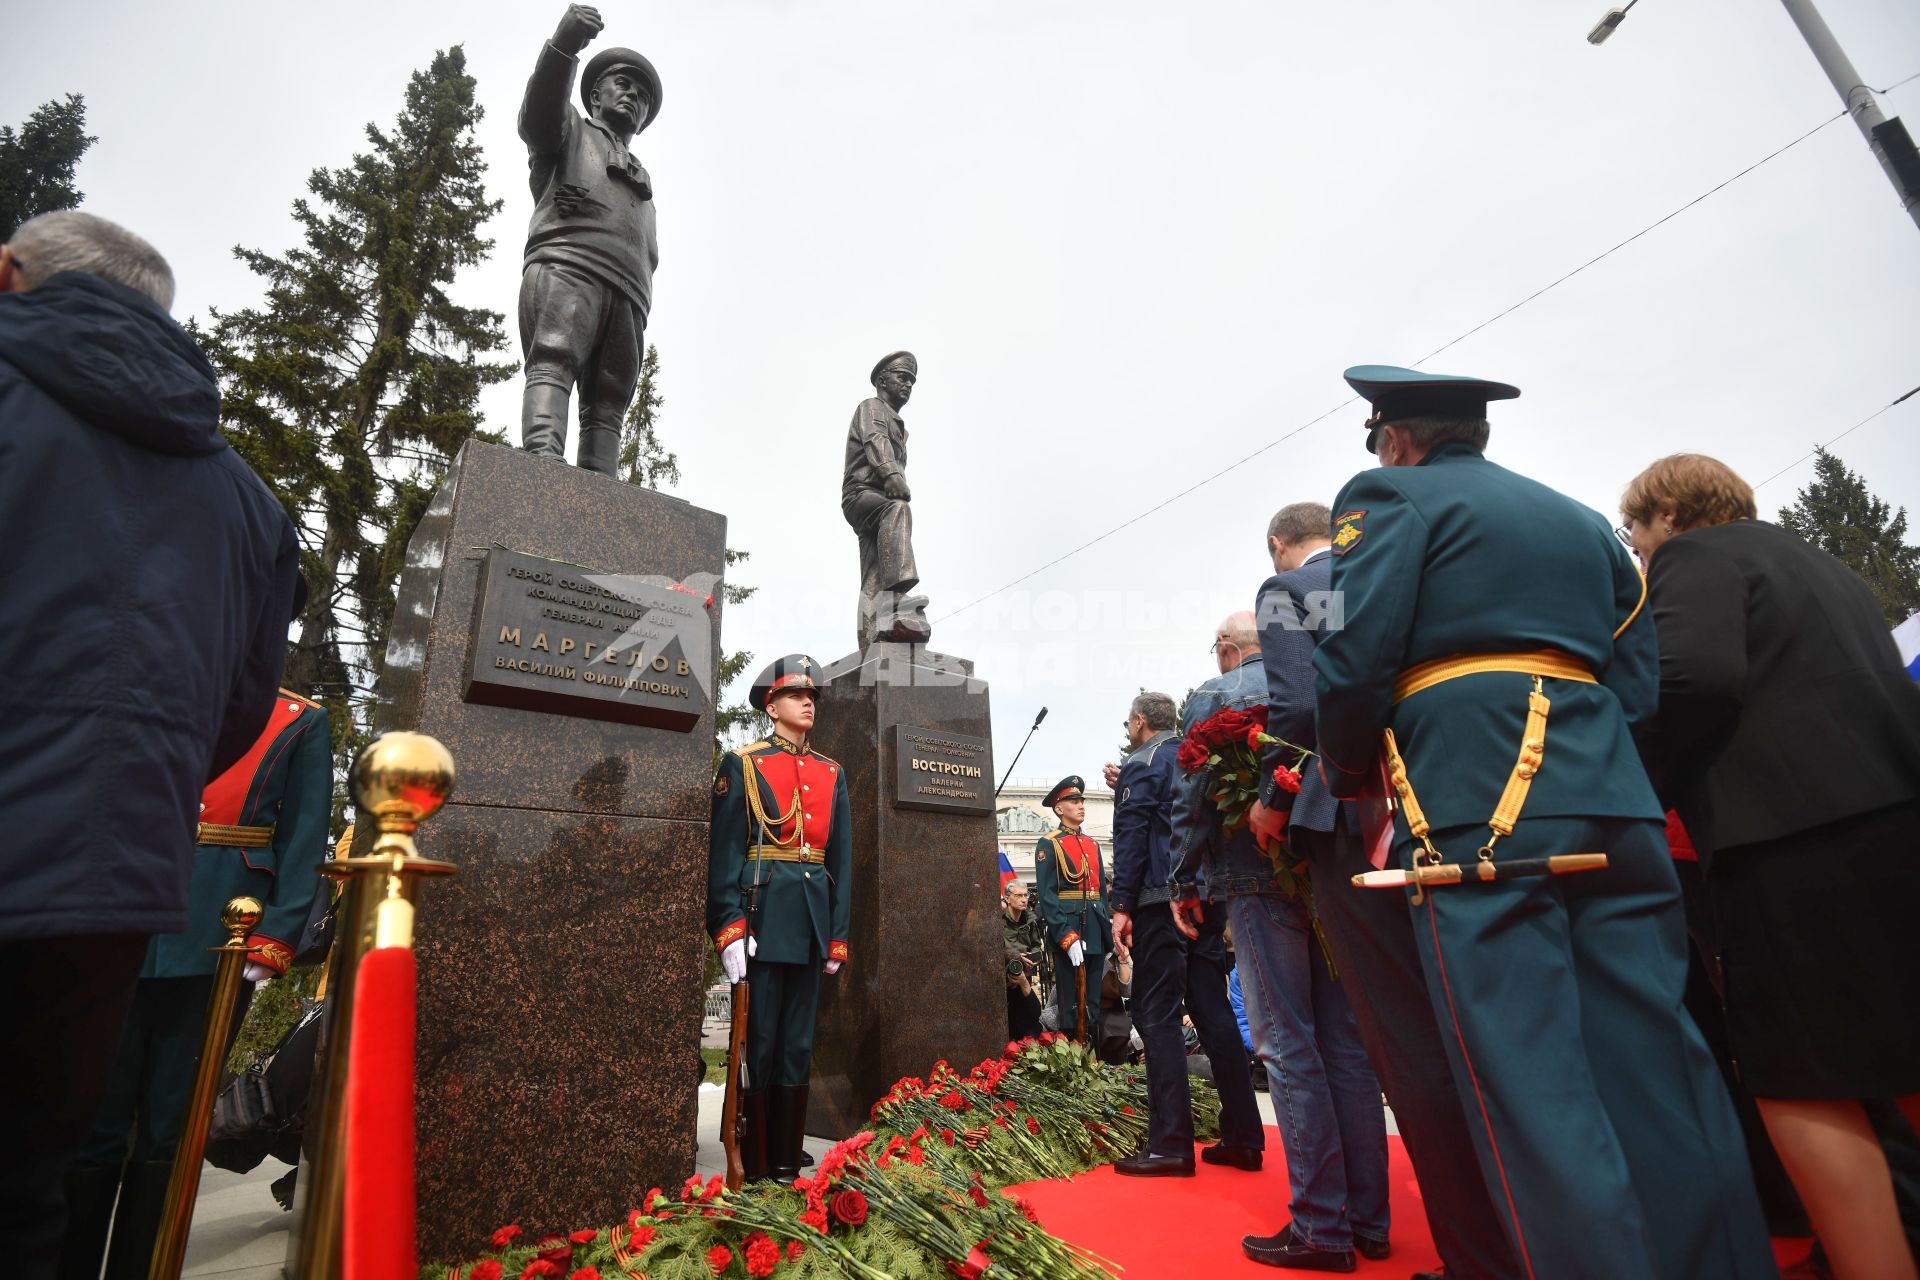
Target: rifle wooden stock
(1080, 990)
(739, 998)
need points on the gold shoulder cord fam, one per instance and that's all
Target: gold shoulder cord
(1533, 745)
(751, 779)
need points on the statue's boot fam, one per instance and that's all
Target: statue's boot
(543, 420)
(600, 446)
(753, 1138)
(136, 1224)
(90, 1192)
(789, 1130)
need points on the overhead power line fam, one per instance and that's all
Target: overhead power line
(1843, 435)
(1494, 319)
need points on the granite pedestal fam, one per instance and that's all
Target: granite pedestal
(926, 976)
(560, 970)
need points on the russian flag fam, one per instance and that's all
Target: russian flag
(1907, 637)
(1006, 871)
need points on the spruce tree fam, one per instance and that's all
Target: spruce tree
(37, 162)
(352, 386)
(644, 460)
(1837, 514)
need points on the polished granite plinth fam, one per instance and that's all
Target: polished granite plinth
(560, 993)
(926, 978)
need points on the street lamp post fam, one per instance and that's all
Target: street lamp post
(1891, 143)
(1889, 140)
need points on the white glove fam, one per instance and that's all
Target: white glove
(1077, 953)
(753, 946)
(257, 972)
(833, 967)
(733, 959)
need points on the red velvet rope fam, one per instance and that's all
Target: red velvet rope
(380, 1242)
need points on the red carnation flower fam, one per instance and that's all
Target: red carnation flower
(505, 1236)
(488, 1270)
(583, 1237)
(1033, 1126)
(540, 1267)
(585, 1273)
(794, 1250)
(763, 1255)
(642, 1237)
(953, 1101)
(555, 1249)
(1254, 734)
(1287, 779)
(849, 1206)
(946, 1136)
(816, 1218)
(719, 1258)
(1026, 1209)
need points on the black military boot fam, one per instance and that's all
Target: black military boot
(789, 1130)
(753, 1136)
(90, 1192)
(143, 1197)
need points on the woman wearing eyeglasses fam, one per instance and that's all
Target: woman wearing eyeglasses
(1788, 738)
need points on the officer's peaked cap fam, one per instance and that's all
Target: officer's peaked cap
(795, 671)
(904, 359)
(1068, 788)
(606, 60)
(1397, 394)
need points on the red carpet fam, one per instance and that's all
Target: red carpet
(1175, 1228)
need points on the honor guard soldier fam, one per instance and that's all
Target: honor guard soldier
(778, 903)
(1496, 654)
(1073, 903)
(263, 834)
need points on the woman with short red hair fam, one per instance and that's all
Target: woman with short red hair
(1788, 738)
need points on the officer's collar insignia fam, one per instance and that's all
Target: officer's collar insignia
(1348, 528)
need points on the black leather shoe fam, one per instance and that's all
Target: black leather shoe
(1233, 1157)
(1431, 1275)
(1286, 1250)
(1148, 1165)
(1372, 1250)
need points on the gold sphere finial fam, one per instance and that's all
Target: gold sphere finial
(240, 916)
(402, 779)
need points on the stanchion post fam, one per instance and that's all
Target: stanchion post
(183, 1183)
(399, 781)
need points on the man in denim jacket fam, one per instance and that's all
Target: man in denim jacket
(1323, 1090)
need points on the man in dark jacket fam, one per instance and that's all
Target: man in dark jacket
(1170, 972)
(1368, 931)
(146, 578)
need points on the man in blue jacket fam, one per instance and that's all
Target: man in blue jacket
(146, 579)
(1494, 648)
(1367, 930)
(1168, 970)
(1332, 1127)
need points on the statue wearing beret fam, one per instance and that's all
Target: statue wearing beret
(874, 497)
(587, 282)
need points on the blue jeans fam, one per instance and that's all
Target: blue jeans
(1325, 1098)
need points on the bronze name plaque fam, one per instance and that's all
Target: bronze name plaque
(569, 641)
(947, 772)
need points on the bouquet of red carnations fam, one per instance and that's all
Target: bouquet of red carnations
(1227, 745)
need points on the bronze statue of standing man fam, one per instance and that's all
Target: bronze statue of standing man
(874, 497)
(587, 282)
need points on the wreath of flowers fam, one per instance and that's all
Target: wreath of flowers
(920, 1193)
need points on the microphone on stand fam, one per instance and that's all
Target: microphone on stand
(1016, 755)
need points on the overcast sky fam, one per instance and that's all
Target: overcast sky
(1131, 244)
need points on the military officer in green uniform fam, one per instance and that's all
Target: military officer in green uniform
(778, 903)
(1495, 655)
(1073, 902)
(263, 834)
